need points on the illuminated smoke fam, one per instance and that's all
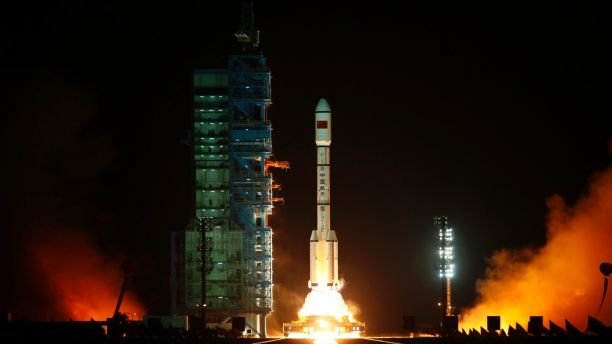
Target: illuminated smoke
(320, 304)
(82, 283)
(291, 302)
(560, 280)
(325, 302)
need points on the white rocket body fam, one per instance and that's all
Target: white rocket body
(323, 240)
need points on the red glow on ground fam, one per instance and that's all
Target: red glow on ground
(84, 283)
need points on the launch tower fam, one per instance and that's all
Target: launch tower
(222, 262)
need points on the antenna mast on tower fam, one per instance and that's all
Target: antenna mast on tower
(247, 35)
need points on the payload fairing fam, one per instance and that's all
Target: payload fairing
(323, 240)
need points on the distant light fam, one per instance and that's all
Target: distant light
(445, 251)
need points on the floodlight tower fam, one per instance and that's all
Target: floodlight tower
(446, 265)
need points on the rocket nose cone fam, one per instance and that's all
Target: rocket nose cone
(322, 106)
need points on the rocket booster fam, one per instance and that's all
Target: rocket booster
(323, 240)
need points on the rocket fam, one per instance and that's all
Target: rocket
(323, 240)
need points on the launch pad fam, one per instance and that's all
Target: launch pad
(317, 326)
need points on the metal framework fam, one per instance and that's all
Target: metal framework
(222, 262)
(232, 254)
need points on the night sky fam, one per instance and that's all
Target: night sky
(476, 112)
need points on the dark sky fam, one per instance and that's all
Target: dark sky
(477, 112)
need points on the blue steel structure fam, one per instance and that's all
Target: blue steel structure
(222, 263)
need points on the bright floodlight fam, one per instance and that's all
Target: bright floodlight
(446, 265)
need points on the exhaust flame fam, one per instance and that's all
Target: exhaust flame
(325, 302)
(560, 280)
(325, 317)
(84, 284)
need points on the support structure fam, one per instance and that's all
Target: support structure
(222, 262)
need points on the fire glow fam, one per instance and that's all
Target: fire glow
(84, 283)
(325, 317)
(325, 302)
(560, 280)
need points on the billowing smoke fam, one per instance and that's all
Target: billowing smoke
(76, 279)
(328, 302)
(290, 302)
(560, 280)
(56, 222)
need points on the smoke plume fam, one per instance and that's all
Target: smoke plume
(286, 308)
(54, 204)
(74, 278)
(560, 280)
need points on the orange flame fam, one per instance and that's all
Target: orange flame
(325, 302)
(85, 284)
(323, 310)
(560, 280)
(285, 165)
